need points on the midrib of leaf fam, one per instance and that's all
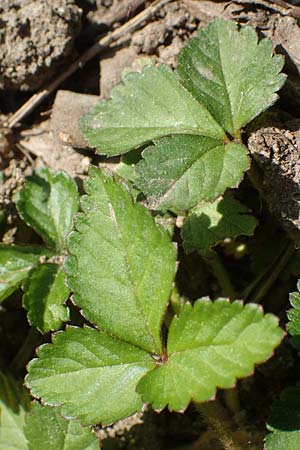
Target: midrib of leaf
(66, 434)
(184, 130)
(168, 133)
(129, 271)
(225, 81)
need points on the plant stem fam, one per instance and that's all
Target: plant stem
(32, 340)
(221, 274)
(216, 418)
(284, 259)
(231, 400)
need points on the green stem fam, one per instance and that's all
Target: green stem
(221, 274)
(286, 256)
(231, 400)
(216, 418)
(32, 340)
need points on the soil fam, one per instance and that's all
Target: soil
(35, 38)
(40, 39)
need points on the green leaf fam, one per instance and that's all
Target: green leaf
(180, 171)
(147, 106)
(122, 265)
(45, 428)
(294, 317)
(14, 402)
(283, 440)
(92, 375)
(285, 422)
(15, 263)
(230, 73)
(211, 223)
(45, 294)
(47, 203)
(210, 345)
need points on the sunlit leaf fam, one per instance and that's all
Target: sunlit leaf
(231, 73)
(45, 428)
(122, 265)
(209, 346)
(147, 106)
(90, 374)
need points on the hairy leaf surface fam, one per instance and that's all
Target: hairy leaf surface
(15, 263)
(232, 74)
(210, 345)
(283, 440)
(45, 428)
(285, 422)
(210, 223)
(294, 313)
(14, 403)
(180, 171)
(44, 298)
(122, 265)
(47, 203)
(90, 374)
(147, 106)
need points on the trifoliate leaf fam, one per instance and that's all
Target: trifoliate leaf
(90, 374)
(294, 317)
(122, 265)
(45, 428)
(14, 402)
(210, 345)
(147, 106)
(232, 74)
(45, 294)
(285, 422)
(180, 171)
(210, 223)
(15, 263)
(47, 203)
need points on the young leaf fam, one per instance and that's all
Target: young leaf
(15, 263)
(14, 402)
(147, 106)
(285, 422)
(210, 223)
(230, 73)
(47, 203)
(45, 294)
(210, 345)
(90, 374)
(45, 428)
(122, 265)
(180, 171)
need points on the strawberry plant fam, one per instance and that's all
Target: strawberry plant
(47, 203)
(179, 135)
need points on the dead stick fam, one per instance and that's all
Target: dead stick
(101, 45)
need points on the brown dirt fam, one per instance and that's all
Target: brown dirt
(35, 38)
